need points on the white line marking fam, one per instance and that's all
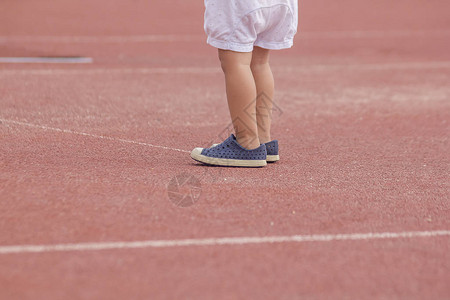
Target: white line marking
(104, 39)
(46, 60)
(374, 34)
(105, 71)
(90, 135)
(369, 67)
(216, 70)
(170, 38)
(17, 249)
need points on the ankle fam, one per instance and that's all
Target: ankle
(248, 143)
(263, 140)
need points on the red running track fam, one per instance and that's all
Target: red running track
(88, 153)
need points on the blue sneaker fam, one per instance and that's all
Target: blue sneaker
(230, 153)
(272, 151)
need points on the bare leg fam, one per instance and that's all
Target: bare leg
(241, 94)
(264, 81)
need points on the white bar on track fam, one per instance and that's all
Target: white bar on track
(171, 38)
(46, 60)
(105, 71)
(374, 34)
(103, 39)
(230, 241)
(216, 70)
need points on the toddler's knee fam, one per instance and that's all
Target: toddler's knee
(229, 65)
(260, 57)
(257, 66)
(259, 63)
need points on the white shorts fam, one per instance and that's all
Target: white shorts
(240, 25)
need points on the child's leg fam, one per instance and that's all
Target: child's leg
(263, 77)
(241, 93)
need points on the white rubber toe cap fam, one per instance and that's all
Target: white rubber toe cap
(196, 153)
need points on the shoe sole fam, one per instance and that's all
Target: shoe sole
(269, 159)
(196, 155)
(272, 158)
